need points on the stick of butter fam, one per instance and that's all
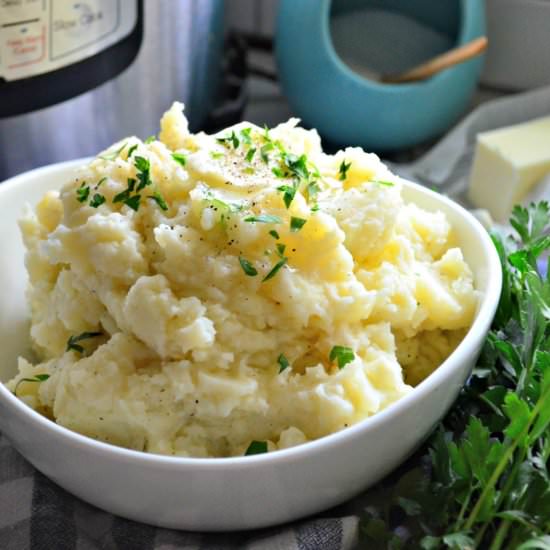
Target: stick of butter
(508, 163)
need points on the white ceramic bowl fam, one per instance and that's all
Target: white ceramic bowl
(228, 493)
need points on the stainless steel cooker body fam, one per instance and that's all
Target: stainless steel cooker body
(179, 59)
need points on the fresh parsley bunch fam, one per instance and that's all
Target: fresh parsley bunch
(483, 480)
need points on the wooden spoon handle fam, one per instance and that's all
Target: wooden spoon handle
(443, 61)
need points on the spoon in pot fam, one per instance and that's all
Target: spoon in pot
(431, 67)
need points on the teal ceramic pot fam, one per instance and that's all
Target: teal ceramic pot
(348, 108)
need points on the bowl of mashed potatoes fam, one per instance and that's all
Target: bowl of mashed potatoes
(229, 331)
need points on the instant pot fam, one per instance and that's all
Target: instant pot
(75, 76)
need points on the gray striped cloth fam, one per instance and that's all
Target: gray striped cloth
(36, 514)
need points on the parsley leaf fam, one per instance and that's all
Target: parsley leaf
(112, 155)
(275, 269)
(281, 249)
(274, 234)
(279, 172)
(131, 150)
(37, 378)
(384, 183)
(289, 192)
(245, 136)
(83, 192)
(297, 165)
(158, 198)
(256, 448)
(143, 167)
(312, 190)
(343, 170)
(125, 195)
(97, 200)
(248, 268)
(72, 343)
(342, 355)
(263, 218)
(133, 202)
(283, 363)
(250, 154)
(180, 158)
(264, 150)
(232, 138)
(150, 139)
(296, 224)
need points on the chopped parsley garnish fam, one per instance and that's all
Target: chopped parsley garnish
(180, 158)
(263, 218)
(342, 355)
(315, 208)
(223, 209)
(281, 249)
(232, 138)
(256, 448)
(312, 190)
(216, 155)
(131, 150)
(72, 343)
(37, 378)
(158, 198)
(297, 165)
(289, 192)
(125, 195)
(248, 268)
(265, 150)
(274, 234)
(275, 269)
(150, 139)
(296, 224)
(279, 172)
(250, 154)
(386, 183)
(283, 363)
(100, 182)
(131, 196)
(314, 171)
(217, 203)
(143, 167)
(83, 192)
(122, 196)
(113, 154)
(343, 170)
(133, 202)
(249, 170)
(245, 136)
(97, 200)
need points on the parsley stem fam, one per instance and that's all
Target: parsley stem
(502, 531)
(497, 472)
(488, 403)
(463, 509)
(481, 534)
(508, 486)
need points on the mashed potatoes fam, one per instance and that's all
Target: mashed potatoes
(195, 294)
